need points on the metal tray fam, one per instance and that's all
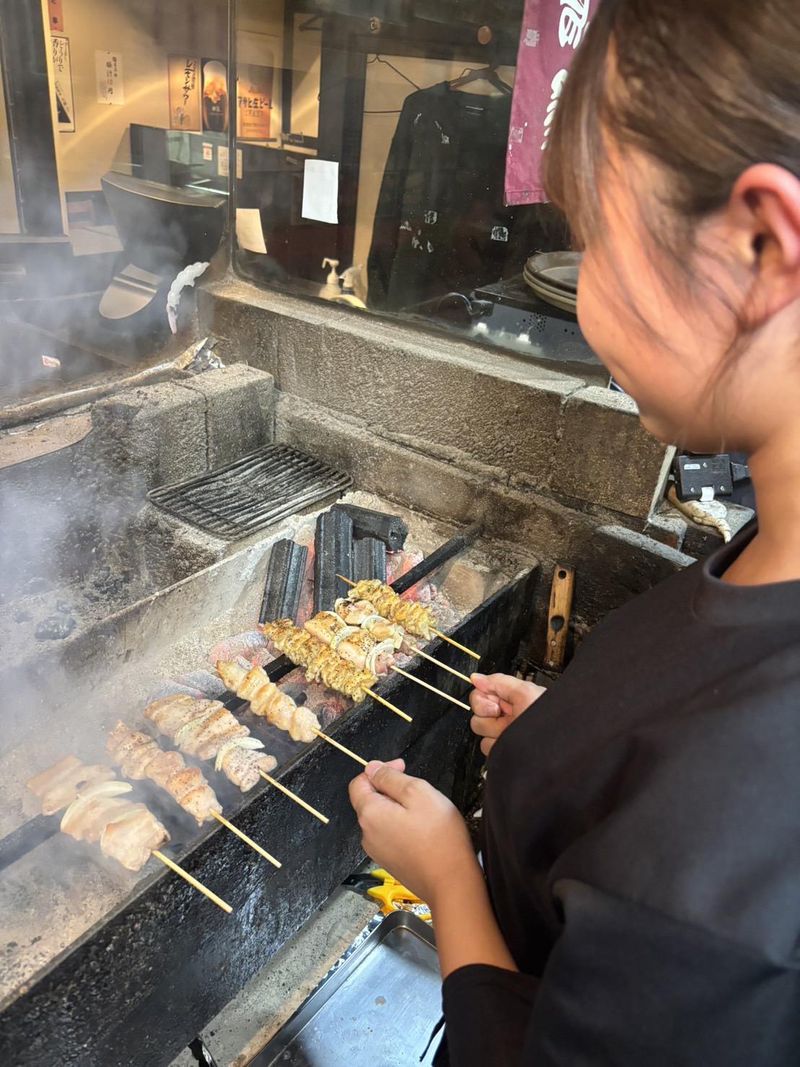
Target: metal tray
(376, 1008)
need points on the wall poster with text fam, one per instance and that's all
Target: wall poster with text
(254, 101)
(215, 96)
(62, 83)
(184, 93)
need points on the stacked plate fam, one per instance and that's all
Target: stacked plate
(553, 277)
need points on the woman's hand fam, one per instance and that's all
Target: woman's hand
(411, 829)
(496, 701)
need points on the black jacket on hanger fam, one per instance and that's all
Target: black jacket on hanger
(440, 224)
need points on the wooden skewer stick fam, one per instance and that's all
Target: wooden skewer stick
(444, 637)
(341, 748)
(432, 659)
(247, 840)
(173, 866)
(433, 689)
(294, 797)
(388, 704)
(455, 644)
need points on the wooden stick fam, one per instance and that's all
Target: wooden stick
(388, 704)
(432, 659)
(455, 644)
(173, 866)
(341, 748)
(294, 797)
(247, 840)
(433, 689)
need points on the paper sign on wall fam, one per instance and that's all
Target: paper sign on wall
(208, 151)
(321, 190)
(184, 93)
(249, 231)
(110, 86)
(223, 161)
(62, 84)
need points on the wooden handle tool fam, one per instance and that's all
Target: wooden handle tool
(558, 616)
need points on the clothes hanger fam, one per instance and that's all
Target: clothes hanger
(488, 74)
(391, 66)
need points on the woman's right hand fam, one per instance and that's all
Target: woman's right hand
(496, 701)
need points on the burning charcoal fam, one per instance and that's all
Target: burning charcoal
(55, 627)
(369, 559)
(287, 567)
(251, 644)
(333, 546)
(387, 528)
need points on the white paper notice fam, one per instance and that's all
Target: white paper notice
(239, 164)
(110, 86)
(208, 151)
(321, 190)
(223, 161)
(249, 232)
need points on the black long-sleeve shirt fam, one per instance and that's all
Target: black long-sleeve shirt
(642, 844)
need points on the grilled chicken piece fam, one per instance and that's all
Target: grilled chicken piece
(267, 700)
(319, 661)
(362, 613)
(241, 762)
(131, 838)
(206, 729)
(326, 625)
(139, 756)
(87, 816)
(171, 712)
(415, 618)
(363, 651)
(60, 784)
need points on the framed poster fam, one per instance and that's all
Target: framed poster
(184, 93)
(62, 83)
(215, 96)
(254, 102)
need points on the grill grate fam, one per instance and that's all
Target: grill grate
(254, 492)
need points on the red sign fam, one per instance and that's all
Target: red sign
(55, 8)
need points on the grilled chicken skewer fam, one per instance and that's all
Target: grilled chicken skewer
(321, 663)
(138, 756)
(362, 613)
(253, 684)
(416, 618)
(360, 648)
(207, 730)
(266, 700)
(95, 811)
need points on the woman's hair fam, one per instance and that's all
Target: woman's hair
(705, 88)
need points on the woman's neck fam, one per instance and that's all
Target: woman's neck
(774, 553)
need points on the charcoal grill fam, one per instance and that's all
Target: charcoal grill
(149, 971)
(253, 493)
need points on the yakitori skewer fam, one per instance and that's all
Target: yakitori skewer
(139, 756)
(342, 748)
(173, 866)
(360, 647)
(96, 810)
(321, 663)
(362, 613)
(416, 618)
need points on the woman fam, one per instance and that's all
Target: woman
(642, 818)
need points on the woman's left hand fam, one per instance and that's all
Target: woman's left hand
(411, 829)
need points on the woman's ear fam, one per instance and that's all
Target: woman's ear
(764, 207)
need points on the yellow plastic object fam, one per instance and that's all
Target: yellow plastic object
(393, 896)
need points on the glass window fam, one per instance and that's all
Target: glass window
(371, 145)
(114, 153)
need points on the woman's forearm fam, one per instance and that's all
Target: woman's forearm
(466, 929)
